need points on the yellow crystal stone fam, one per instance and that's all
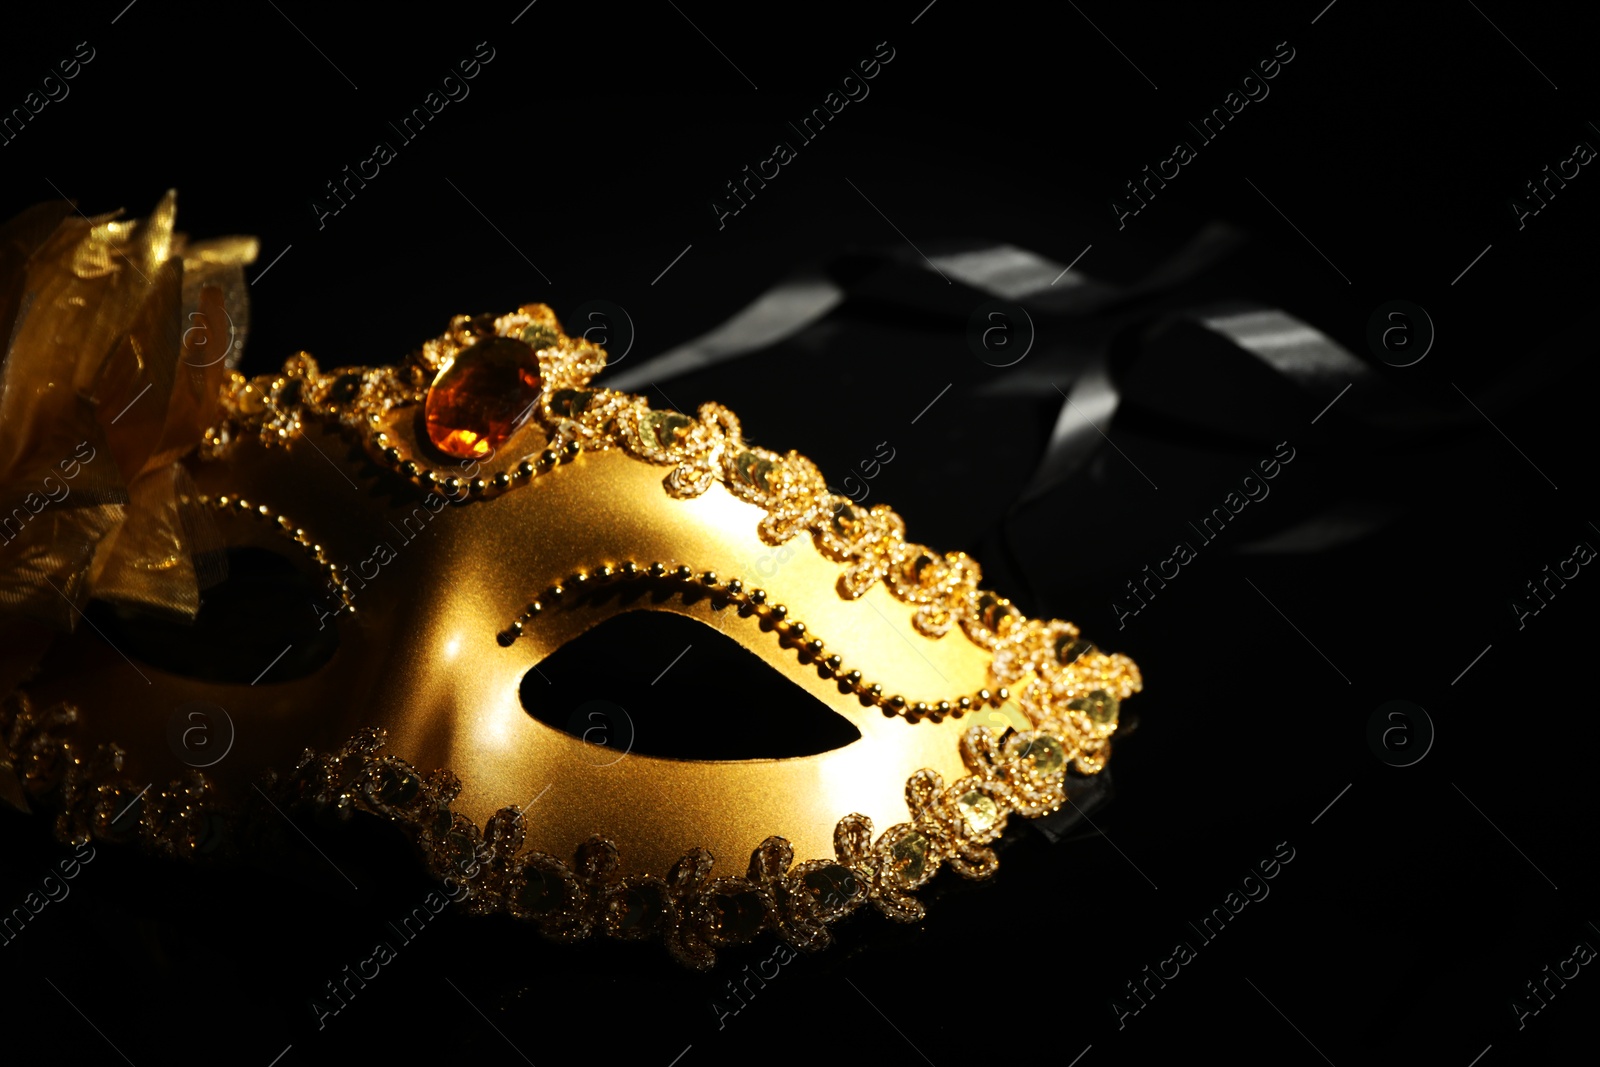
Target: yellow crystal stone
(910, 855)
(1042, 750)
(664, 430)
(1099, 705)
(980, 810)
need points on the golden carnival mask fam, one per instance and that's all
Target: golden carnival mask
(412, 551)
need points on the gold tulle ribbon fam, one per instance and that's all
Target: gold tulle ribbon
(119, 337)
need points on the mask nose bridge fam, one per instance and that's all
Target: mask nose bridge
(432, 619)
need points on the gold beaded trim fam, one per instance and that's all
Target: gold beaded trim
(1044, 673)
(690, 912)
(1043, 662)
(792, 633)
(240, 506)
(273, 407)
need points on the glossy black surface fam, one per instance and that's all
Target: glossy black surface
(1416, 902)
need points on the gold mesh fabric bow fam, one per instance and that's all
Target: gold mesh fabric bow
(119, 337)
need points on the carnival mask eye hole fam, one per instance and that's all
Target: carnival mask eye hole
(657, 683)
(258, 626)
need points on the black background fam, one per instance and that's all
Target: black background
(1416, 907)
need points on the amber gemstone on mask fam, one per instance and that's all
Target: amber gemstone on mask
(482, 397)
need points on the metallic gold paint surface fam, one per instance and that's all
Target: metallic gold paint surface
(419, 657)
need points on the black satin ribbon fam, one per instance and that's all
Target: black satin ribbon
(1069, 366)
(799, 300)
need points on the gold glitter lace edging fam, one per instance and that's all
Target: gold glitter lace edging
(690, 912)
(1053, 673)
